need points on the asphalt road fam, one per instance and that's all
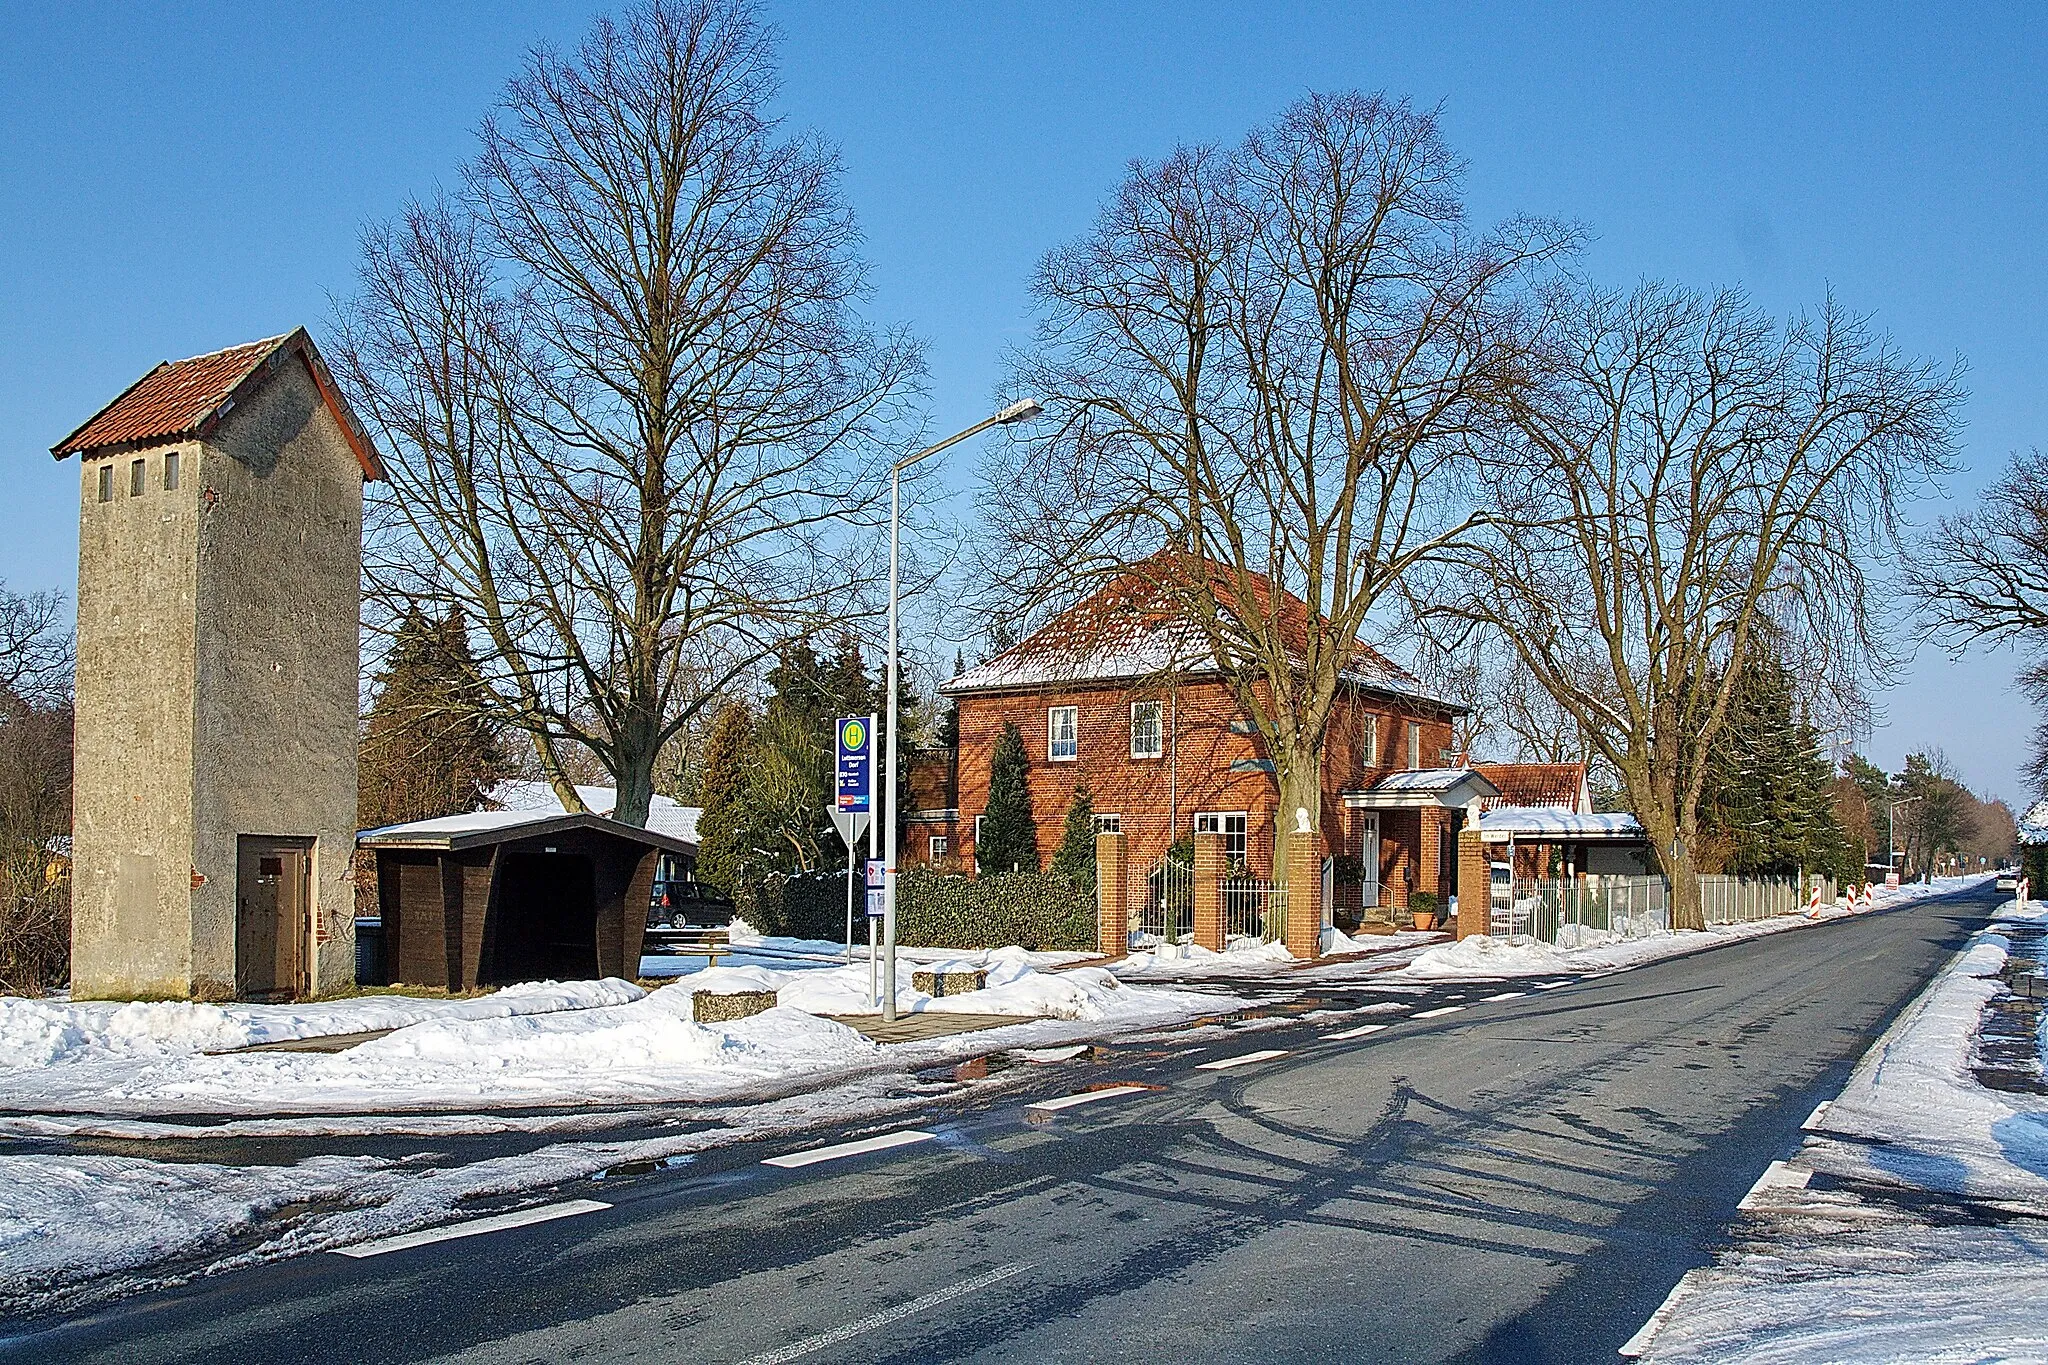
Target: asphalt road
(1520, 1180)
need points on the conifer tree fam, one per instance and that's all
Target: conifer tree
(1075, 859)
(725, 832)
(1769, 806)
(429, 747)
(1009, 837)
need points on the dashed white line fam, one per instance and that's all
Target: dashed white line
(497, 1222)
(1086, 1097)
(1636, 1346)
(797, 1350)
(1358, 1032)
(1243, 1059)
(1507, 995)
(880, 1143)
(1777, 1176)
(1439, 1011)
(1552, 985)
(1819, 1113)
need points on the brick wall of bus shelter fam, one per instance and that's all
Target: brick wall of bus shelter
(1201, 748)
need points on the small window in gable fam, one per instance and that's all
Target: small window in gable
(138, 476)
(1369, 743)
(1063, 733)
(1148, 731)
(170, 470)
(106, 483)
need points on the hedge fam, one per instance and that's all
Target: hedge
(1034, 910)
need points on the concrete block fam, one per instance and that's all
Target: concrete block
(723, 1007)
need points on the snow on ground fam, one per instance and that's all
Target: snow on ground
(1915, 1223)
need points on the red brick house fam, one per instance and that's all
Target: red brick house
(1118, 695)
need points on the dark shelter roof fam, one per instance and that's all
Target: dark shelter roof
(486, 827)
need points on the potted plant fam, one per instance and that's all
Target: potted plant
(1423, 904)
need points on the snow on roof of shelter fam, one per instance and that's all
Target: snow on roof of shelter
(1454, 788)
(485, 827)
(1130, 629)
(2034, 825)
(1426, 779)
(665, 815)
(1552, 822)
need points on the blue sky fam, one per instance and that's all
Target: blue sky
(183, 178)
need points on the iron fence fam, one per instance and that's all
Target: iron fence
(1162, 901)
(1254, 908)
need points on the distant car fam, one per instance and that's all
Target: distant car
(2008, 879)
(678, 908)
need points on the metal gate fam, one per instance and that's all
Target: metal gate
(1254, 908)
(1162, 901)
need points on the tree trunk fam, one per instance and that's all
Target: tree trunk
(1299, 770)
(1671, 841)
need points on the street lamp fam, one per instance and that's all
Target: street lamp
(1023, 410)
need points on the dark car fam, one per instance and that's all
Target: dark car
(679, 909)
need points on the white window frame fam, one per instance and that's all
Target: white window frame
(1369, 747)
(1111, 822)
(977, 836)
(1158, 713)
(1415, 745)
(1218, 822)
(937, 848)
(1053, 716)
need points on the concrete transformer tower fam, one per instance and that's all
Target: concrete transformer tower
(219, 579)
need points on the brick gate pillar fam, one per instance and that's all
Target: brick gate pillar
(1304, 893)
(1209, 864)
(1112, 903)
(1475, 885)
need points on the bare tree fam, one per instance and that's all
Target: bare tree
(35, 648)
(35, 790)
(1261, 367)
(635, 418)
(1983, 575)
(1682, 476)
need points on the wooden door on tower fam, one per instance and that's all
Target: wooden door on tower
(273, 917)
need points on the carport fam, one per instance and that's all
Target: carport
(496, 897)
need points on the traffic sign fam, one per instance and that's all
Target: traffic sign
(856, 789)
(852, 824)
(876, 870)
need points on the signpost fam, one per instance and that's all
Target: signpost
(853, 805)
(878, 906)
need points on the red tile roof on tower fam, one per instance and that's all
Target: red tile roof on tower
(1558, 785)
(188, 398)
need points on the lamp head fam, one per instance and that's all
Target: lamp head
(1023, 410)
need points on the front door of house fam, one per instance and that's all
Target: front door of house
(1369, 859)
(273, 917)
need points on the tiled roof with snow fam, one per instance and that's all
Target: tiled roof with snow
(1562, 785)
(1552, 822)
(1128, 631)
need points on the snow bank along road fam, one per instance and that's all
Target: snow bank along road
(1521, 1177)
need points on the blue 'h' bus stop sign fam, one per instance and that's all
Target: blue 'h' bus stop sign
(856, 771)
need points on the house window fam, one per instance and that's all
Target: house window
(1062, 733)
(170, 470)
(1148, 733)
(1415, 744)
(1109, 824)
(1369, 743)
(1231, 825)
(106, 483)
(138, 473)
(939, 845)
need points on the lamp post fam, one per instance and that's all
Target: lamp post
(1023, 410)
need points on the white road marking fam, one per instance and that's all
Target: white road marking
(1086, 1097)
(497, 1222)
(1358, 1032)
(1813, 1120)
(1777, 1176)
(1507, 995)
(1244, 1059)
(1639, 1344)
(1439, 1011)
(1552, 985)
(797, 1350)
(882, 1142)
